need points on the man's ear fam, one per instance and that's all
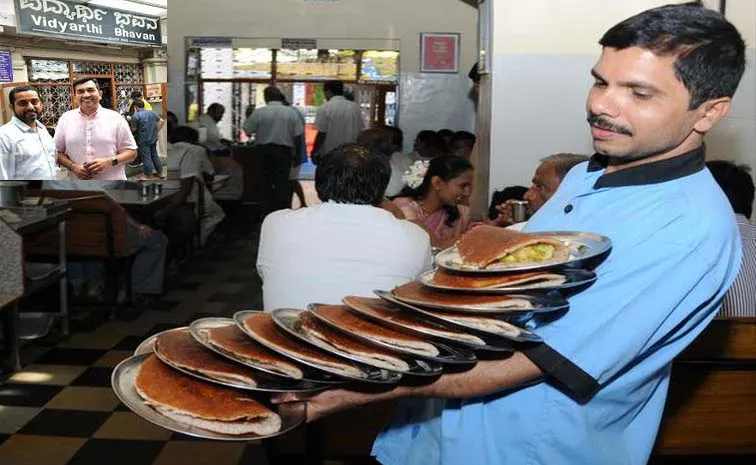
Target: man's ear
(711, 112)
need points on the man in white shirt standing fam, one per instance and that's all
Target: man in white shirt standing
(347, 245)
(93, 142)
(338, 121)
(27, 151)
(277, 129)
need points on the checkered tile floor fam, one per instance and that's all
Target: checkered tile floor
(60, 409)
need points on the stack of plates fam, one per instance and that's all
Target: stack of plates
(416, 330)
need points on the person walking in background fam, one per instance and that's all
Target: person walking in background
(338, 121)
(93, 142)
(277, 129)
(147, 125)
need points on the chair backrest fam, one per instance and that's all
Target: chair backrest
(95, 228)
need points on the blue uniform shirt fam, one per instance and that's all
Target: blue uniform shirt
(675, 253)
(146, 122)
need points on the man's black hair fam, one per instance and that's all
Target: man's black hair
(709, 49)
(336, 87)
(18, 90)
(352, 174)
(82, 80)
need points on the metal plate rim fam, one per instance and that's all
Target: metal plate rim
(559, 305)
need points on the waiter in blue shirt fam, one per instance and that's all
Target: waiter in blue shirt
(594, 392)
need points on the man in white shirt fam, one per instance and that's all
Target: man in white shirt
(27, 151)
(277, 129)
(190, 159)
(209, 121)
(338, 121)
(93, 142)
(347, 245)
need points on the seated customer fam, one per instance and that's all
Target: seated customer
(150, 246)
(462, 143)
(190, 160)
(738, 185)
(381, 140)
(345, 246)
(435, 197)
(546, 180)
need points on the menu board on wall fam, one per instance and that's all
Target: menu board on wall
(6, 66)
(63, 19)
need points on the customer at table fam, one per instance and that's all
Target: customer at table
(148, 125)
(593, 393)
(27, 151)
(345, 245)
(150, 246)
(737, 184)
(546, 180)
(209, 121)
(190, 159)
(93, 142)
(435, 197)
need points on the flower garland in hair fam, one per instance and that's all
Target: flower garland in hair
(414, 176)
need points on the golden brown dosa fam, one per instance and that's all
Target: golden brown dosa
(344, 344)
(262, 326)
(210, 407)
(179, 348)
(444, 278)
(483, 245)
(382, 310)
(339, 316)
(418, 294)
(232, 340)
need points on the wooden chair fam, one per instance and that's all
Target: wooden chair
(96, 232)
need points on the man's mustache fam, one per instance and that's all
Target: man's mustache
(602, 122)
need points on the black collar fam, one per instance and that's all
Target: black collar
(651, 173)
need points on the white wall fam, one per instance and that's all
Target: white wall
(543, 53)
(351, 20)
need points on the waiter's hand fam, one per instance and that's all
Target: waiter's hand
(98, 165)
(80, 171)
(327, 402)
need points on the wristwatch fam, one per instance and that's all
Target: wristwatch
(115, 161)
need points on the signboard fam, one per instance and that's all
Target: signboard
(63, 19)
(298, 44)
(210, 42)
(6, 66)
(439, 53)
(153, 92)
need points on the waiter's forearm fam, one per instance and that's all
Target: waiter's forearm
(486, 377)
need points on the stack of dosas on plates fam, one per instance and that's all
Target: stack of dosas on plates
(485, 245)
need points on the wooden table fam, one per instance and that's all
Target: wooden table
(134, 199)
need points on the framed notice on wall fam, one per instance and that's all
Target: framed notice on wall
(439, 52)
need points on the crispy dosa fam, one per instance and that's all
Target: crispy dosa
(262, 326)
(418, 294)
(339, 316)
(180, 349)
(535, 279)
(363, 352)
(190, 401)
(382, 310)
(232, 340)
(484, 245)
(490, 325)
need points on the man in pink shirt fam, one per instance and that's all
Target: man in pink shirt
(93, 142)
